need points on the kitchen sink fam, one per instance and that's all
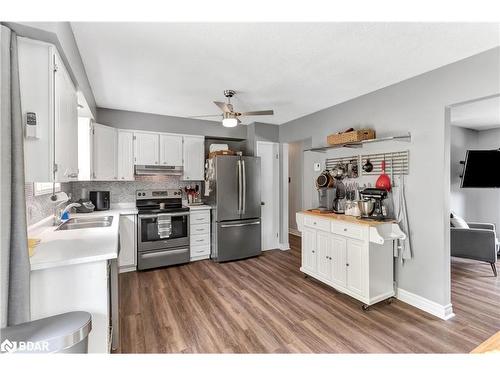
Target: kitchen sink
(87, 222)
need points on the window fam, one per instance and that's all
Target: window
(42, 188)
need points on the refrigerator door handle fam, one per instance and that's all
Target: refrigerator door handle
(240, 183)
(239, 225)
(244, 204)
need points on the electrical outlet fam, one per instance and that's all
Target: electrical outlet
(317, 167)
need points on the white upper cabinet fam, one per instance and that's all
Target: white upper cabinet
(49, 101)
(146, 148)
(171, 150)
(104, 152)
(125, 160)
(66, 124)
(194, 157)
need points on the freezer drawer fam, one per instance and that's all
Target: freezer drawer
(161, 258)
(237, 239)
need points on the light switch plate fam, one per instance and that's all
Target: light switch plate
(317, 167)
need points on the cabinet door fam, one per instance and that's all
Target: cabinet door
(104, 158)
(194, 158)
(355, 267)
(147, 148)
(309, 255)
(127, 256)
(171, 150)
(324, 246)
(125, 159)
(339, 272)
(65, 124)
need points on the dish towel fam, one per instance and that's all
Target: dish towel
(164, 222)
(403, 248)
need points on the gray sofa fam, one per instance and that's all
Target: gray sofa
(477, 242)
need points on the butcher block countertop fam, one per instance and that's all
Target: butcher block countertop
(346, 218)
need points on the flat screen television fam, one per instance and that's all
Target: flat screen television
(482, 169)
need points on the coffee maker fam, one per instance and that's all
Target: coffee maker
(339, 202)
(371, 204)
(326, 195)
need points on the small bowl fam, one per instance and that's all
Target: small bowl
(366, 207)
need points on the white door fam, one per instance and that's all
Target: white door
(66, 124)
(171, 149)
(324, 241)
(147, 148)
(104, 158)
(194, 158)
(125, 159)
(339, 272)
(355, 271)
(127, 242)
(269, 164)
(309, 254)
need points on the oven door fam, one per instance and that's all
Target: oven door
(149, 239)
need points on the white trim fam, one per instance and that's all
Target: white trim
(42, 188)
(444, 312)
(294, 232)
(125, 269)
(284, 246)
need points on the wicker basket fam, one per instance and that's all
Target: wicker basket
(220, 152)
(350, 137)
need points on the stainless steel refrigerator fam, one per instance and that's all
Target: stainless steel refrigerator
(235, 200)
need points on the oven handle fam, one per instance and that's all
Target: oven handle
(156, 254)
(156, 215)
(239, 225)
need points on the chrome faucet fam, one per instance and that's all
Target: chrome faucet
(58, 213)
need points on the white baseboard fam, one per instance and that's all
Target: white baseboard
(444, 312)
(284, 246)
(294, 232)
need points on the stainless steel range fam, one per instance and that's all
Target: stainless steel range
(163, 228)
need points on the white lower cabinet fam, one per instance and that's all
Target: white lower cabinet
(199, 234)
(128, 234)
(342, 256)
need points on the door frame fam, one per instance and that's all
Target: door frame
(276, 190)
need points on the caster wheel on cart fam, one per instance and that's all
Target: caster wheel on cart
(389, 300)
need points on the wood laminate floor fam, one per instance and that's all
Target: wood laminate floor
(265, 305)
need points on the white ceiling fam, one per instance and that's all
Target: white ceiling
(296, 69)
(479, 115)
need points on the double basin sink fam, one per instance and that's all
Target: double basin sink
(86, 222)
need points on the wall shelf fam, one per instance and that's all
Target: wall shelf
(400, 138)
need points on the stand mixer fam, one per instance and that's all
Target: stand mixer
(371, 204)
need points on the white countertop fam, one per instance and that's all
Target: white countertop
(199, 207)
(68, 247)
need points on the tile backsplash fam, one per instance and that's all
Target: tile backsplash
(38, 207)
(124, 191)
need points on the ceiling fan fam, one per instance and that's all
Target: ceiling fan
(229, 116)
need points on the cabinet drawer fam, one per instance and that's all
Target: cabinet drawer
(202, 217)
(197, 251)
(200, 239)
(199, 229)
(348, 230)
(317, 223)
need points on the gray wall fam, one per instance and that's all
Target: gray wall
(461, 200)
(481, 205)
(259, 131)
(416, 105)
(159, 123)
(295, 174)
(61, 35)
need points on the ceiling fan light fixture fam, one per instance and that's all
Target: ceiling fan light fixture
(229, 120)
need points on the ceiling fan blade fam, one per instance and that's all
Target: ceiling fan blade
(258, 113)
(202, 116)
(223, 106)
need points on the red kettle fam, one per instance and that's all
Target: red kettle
(383, 182)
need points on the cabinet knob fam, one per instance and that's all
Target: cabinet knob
(313, 251)
(345, 229)
(347, 264)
